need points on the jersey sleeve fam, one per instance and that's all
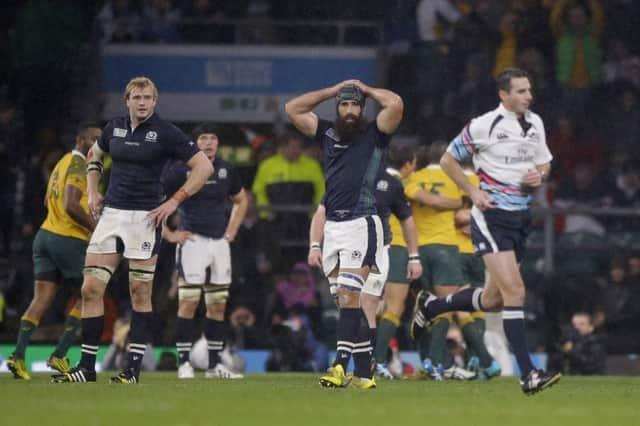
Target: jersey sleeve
(173, 177)
(103, 140)
(180, 145)
(323, 125)
(543, 155)
(400, 206)
(382, 139)
(469, 141)
(77, 173)
(235, 181)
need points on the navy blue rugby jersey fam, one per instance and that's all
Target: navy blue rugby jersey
(350, 169)
(206, 212)
(139, 157)
(390, 199)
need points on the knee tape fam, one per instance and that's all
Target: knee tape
(189, 292)
(349, 281)
(214, 293)
(101, 273)
(141, 272)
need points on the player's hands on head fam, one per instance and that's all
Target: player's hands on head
(315, 258)
(94, 202)
(533, 178)
(482, 200)
(163, 211)
(353, 82)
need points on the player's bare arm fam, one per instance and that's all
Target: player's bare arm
(300, 109)
(238, 211)
(71, 202)
(316, 231)
(94, 172)
(452, 168)
(390, 115)
(201, 169)
(175, 236)
(414, 268)
(436, 201)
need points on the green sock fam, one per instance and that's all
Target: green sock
(71, 327)
(474, 336)
(386, 330)
(438, 346)
(27, 327)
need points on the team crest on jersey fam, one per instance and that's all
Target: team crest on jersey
(151, 136)
(222, 173)
(382, 185)
(119, 133)
(331, 134)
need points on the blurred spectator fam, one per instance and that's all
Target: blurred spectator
(120, 21)
(433, 18)
(199, 23)
(581, 349)
(509, 31)
(578, 56)
(621, 64)
(245, 332)
(10, 161)
(621, 124)
(160, 22)
(617, 313)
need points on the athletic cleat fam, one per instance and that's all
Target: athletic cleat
(457, 373)
(18, 368)
(59, 364)
(474, 364)
(538, 380)
(335, 379)
(432, 372)
(75, 375)
(419, 320)
(362, 383)
(128, 376)
(383, 371)
(185, 371)
(220, 371)
(493, 370)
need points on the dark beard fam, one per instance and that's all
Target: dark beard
(348, 130)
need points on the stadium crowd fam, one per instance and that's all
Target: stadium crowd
(441, 57)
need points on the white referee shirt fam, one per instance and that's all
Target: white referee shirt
(503, 151)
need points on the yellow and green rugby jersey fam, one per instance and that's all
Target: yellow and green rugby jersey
(465, 245)
(433, 226)
(70, 170)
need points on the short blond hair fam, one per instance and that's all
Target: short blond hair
(140, 83)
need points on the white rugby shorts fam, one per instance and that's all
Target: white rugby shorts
(352, 244)
(194, 257)
(376, 279)
(137, 232)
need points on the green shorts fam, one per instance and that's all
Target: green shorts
(440, 266)
(472, 269)
(398, 259)
(57, 258)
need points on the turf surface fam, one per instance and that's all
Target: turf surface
(296, 399)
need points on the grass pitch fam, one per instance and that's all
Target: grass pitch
(296, 399)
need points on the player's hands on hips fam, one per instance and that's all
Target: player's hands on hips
(315, 258)
(94, 202)
(482, 200)
(533, 178)
(163, 211)
(414, 270)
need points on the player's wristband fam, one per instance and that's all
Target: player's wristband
(181, 195)
(315, 245)
(414, 258)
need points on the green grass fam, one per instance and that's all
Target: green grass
(296, 399)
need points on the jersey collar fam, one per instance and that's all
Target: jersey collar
(393, 172)
(510, 114)
(78, 153)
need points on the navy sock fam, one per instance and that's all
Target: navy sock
(514, 329)
(184, 341)
(139, 336)
(346, 334)
(363, 350)
(214, 333)
(467, 300)
(91, 333)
